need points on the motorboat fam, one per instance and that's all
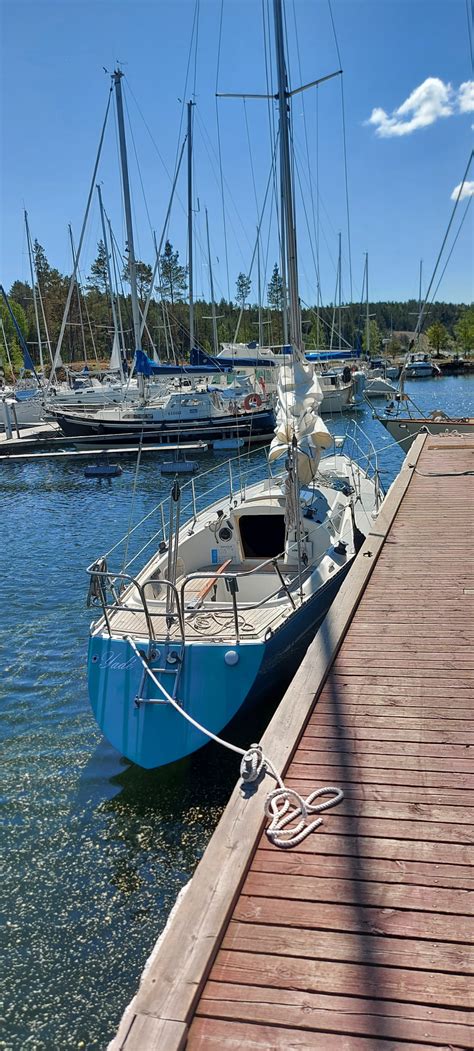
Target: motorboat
(419, 365)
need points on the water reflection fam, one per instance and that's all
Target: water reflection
(96, 849)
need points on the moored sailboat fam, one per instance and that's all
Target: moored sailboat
(232, 594)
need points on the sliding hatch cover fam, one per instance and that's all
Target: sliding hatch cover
(262, 536)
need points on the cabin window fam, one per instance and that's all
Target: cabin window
(262, 536)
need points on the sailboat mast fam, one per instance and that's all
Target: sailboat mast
(211, 282)
(287, 189)
(78, 290)
(259, 274)
(117, 79)
(339, 282)
(190, 223)
(109, 277)
(367, 316)
(117, 289)
(33, 289)
(419, 298)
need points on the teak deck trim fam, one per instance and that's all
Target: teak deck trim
(162, 1010)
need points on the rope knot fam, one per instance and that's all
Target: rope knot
(252, 764)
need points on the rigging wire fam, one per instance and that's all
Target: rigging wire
(140, 112)
(305, 127)
(271, 109)
(344, 146)
(207, 140)
(138, 164)
(196, 47)
(273, 135)
(318, 226)
(183, 100)
(469, 31)
(57, 356)
(219, 148)
(458, 197)
(327, 216)
(451, 250)
(250, 155)
(254, 253)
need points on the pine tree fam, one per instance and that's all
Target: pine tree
(173, 276)
(144, 274)
(275, 289)
(242, 289)
(42, 267)
(98, 277)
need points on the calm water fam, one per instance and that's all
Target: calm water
(95, 850)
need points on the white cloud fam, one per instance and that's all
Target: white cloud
(466, 97)
(467, 191)
(427, 103)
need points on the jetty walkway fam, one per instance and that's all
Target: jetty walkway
(360, 938)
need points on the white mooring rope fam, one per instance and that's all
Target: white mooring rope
(284, 805)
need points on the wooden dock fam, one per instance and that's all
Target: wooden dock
(46, 441)
(359, 939)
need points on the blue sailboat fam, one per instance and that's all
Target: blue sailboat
(231, 594)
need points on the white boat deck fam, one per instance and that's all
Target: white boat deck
(208, 619)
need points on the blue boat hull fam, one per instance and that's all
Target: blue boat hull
(210, 689)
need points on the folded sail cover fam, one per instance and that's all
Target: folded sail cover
(299, 398)
(144, 365)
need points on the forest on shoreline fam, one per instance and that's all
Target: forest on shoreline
(89, 331)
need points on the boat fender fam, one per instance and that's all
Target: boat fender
(231, 658)
(252, 401)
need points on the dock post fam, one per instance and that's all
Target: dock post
(7, 418)
(15, 417)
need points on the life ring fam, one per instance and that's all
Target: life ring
(252, 401)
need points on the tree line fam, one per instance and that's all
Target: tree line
(89, 330)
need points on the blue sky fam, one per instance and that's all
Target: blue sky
(404, 59)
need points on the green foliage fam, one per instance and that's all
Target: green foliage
(438, 337)
(275, 289)
(464, 330)
(144, 274)
(42, 267)
(242, 289)
(393, 347)
(319, 333)
(168, 321)
(372, 340)
(98, 277)
(21, 293)
(173, 276)
(12, 341)
(53, 287)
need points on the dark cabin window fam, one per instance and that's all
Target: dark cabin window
(262, 536)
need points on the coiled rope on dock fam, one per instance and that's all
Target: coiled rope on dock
(283, 806)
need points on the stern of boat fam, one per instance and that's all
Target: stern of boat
(209, 681)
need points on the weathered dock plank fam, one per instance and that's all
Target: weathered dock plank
(361, 937)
